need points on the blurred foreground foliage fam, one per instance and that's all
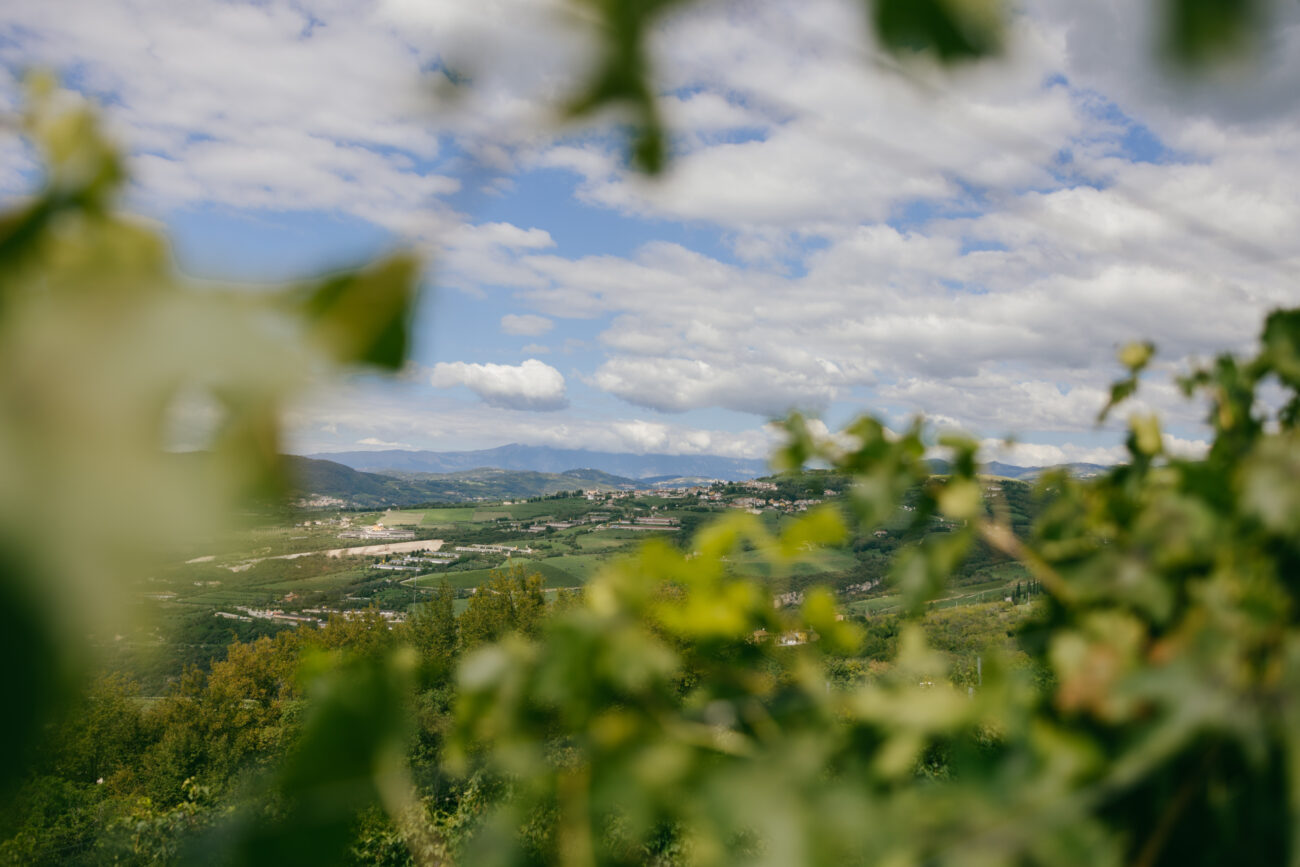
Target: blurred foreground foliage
(1149, 714)
(108, 359)
(1158, 724)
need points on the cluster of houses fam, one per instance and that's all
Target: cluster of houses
(548, 523)
(649, 523)
(758, 505)
(418, 564)
(306, 617)
(508, 550)
(782, 600)
(378, 532)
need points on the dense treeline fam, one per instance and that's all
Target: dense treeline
(132, 779)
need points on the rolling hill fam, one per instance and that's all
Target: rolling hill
(322, 478)
(544, 459)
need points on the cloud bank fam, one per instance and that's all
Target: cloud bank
(533, 385)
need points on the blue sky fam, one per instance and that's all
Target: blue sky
(837, 232)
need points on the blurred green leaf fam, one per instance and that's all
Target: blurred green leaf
(949, 29)
(1199, 32)
(363, 317)
(623, 78)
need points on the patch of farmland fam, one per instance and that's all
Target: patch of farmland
(484, 515)
(559, 509)
(393, 518)
(331, 581)
(606, 541)
(551, 575)
(579, 568)
(827, 560)
(875, 604)
(218, 598)
(457, 580)
(622, 537)
(452, 515)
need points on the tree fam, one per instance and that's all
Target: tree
(510, 601)
(433, 631)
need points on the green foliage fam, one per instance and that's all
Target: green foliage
(511, 601)
(351, 755)
(1154, 720)
(1202, 31)
(434, 634)
(99, 334)
(951, 29)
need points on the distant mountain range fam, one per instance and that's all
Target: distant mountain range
(402, 478)
(316, 478)
(1029, 474)
(544, 459)
(1026, 474)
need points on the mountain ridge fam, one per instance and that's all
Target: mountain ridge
(547, 459)
(314, 478)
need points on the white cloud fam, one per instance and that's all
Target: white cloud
(971, 245)
(252, 106)
(439, 421)
(1028, 454)
(680, 384)
(525, 324)
(533, 385)
(375, 442)
(1043, 455)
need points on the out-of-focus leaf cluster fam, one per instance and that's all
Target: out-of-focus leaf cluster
(110, 360)
(679, 717)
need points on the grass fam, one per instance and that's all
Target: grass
(438, 517)
(393, 518)
(565, 571)
(558, 509)
(484, 515)
(250, 596)
(457, 580)
(970, 594)
(332, 581)
(625, 535)
(579, 567)
(874, 605)
(603, 541)
(755, 564)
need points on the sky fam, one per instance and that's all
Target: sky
(838, 232)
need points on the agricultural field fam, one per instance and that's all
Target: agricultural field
(823, 561)
(605, 541)
(442, 517)
(559, 510)
(283, 564)
(956, 596)
(400, 517)
(470, 578)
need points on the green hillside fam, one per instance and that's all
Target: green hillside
(317, 478)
